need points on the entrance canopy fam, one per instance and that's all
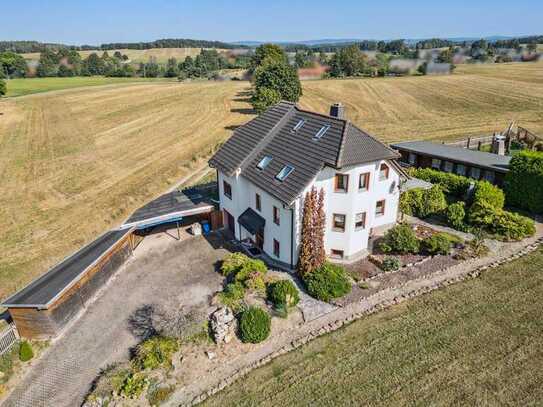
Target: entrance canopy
(252, 221)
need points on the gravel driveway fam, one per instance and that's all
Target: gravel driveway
(162, 270)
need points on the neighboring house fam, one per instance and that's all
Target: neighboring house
(462, 161)
(268, 165)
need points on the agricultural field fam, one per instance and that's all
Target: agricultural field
(139, 55)
(20, 87)
(476, 100)
(474, 343)
(77, 162)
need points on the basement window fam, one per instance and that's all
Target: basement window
(298, 125)
(285, 172)
(264, 162)
(321, 132)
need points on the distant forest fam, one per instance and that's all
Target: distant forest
(398, 46)
(22, 47)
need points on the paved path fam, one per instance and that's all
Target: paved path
(162, 269)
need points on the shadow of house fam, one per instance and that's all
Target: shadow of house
(241, 110)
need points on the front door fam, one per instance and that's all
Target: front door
(259, 237)
(230, 222)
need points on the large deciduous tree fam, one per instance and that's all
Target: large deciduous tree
(269, 53)
(277, 78)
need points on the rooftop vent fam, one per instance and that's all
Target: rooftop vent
(337, 110)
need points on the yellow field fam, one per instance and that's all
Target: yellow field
(76, 162)
(139, 55)
(476, 100)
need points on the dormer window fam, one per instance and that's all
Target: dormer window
(298, 125)
(264, 162)
(285, 172)
(321, 132)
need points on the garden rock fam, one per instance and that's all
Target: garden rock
(223, 325)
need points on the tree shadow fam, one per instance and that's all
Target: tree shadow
(232, 128)
(140, 323)
(242, 110)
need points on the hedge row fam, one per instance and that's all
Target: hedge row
(524, 181)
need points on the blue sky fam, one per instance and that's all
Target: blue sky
(98, 21)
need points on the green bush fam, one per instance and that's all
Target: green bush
(249, 268)
(25, 352)
(283, 293)
(482, 214)
(155, 352)
(133, 385)
(411, 201)
(440, 243)
(400, 239)
(456, 215)
(233, 263)
(327, 282)
(512, 226)
(524, 182)
(433, 202)
(254, 325)
(453, 184)
(232, 295)
(391, 264)
(491, 194)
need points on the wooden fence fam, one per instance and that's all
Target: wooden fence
(472, 142)
(8, 338)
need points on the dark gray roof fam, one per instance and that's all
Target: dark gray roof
(174, 204)
(42, 291)
(271, 134)
(476, 158)
(251, 221)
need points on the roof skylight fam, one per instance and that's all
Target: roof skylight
(321, 132)
(298, 125)
(264, 162)
(285, 172)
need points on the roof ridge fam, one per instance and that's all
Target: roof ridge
(327, 116)
(339, 159)
(268, 137)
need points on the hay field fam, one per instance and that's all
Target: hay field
(476, 100)
(138, 55)
(77, 162)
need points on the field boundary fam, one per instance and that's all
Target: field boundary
(370, 305)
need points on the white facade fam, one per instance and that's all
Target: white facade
(348, 242)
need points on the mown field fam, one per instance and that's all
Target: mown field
(20, 87)
(77, 162)
(476, 343)
(139, 55)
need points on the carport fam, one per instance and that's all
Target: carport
(41, 309)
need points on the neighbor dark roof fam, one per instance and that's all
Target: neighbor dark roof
(44, 290)
(476, 158)
(251, 221)
(271, 134)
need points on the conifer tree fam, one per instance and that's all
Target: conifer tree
(312, 253)
(320, 227)
(305, 260)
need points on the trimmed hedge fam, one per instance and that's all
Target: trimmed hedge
(423, 203)
(400, 239)
(283, 293)
(491, 194)
(524, 182)
(327, 282)
(453, 184)
(254, 325)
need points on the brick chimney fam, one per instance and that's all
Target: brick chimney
(337, 110)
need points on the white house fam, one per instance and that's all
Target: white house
(269, 164)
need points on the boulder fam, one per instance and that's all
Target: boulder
(223, 325)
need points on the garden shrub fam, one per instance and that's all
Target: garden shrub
(158, 394)
(411, 201)
(486, 192)
(327, 282)
(456, 215)
(524, 182)
(512, 226)
(400, 239)
(440, 243)
(453, 184)
(391, 264)
(155, 352)
(250, 267)
(25, 351)
(133, 385)
(433, 202)
(254, 325)
(233, 263)
(255, 282)
(482, 214)
(232, 295)
(283, 293)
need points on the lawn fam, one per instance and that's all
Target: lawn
(19, 87)
(477, 342)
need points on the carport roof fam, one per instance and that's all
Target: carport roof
(43, 291)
